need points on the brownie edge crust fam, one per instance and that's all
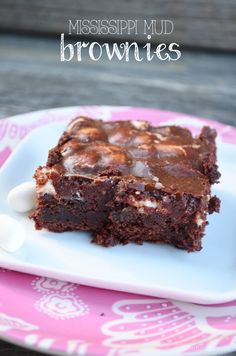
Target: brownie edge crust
(127, 181)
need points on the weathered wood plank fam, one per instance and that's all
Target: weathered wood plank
(7, 349)
(33, 78)
(202, 23)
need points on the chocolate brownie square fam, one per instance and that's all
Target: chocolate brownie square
(127, 181)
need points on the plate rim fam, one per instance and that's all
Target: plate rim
(16, 117)
(160, 291)
(55, 352)
(75, 107)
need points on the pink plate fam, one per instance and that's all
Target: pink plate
(60, 317)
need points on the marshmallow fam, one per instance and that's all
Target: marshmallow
(22, 198)
(12, 235)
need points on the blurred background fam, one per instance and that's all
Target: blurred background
(202, 82)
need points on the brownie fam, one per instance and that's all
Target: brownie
(127, 181)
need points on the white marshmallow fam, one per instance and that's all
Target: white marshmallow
(22, 198)
(12, 235)
(47, 188)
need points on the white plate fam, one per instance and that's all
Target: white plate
(207, 276)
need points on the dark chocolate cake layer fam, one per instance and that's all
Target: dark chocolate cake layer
(129, 181)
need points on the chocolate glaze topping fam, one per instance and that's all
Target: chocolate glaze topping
(166, 157)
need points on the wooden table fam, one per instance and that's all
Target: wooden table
(33, 78)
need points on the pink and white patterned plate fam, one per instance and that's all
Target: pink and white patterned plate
(61, 317)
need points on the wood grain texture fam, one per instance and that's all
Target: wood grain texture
(202, 23)
(7, 349)
(32, 78)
